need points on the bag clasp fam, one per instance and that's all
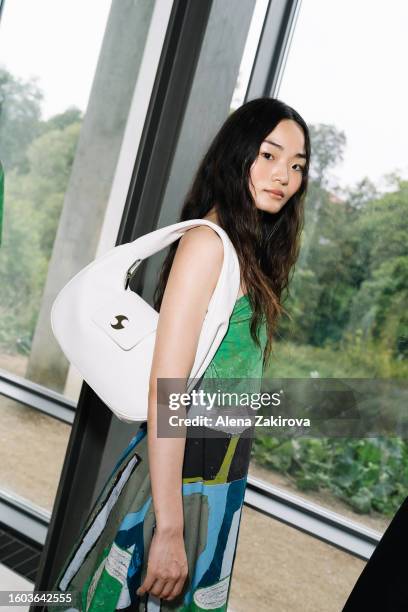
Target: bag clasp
(130, 272)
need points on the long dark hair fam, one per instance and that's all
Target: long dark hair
(267, 244)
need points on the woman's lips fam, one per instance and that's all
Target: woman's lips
(274, 194)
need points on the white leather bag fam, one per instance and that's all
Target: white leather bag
(108, 332)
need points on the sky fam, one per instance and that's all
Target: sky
(345, 67)
(57, 41)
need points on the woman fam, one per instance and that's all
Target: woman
(163, 533)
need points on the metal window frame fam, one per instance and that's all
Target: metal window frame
(311, 518)
(169, 98)
(37, 397)
(273, 47)
(24, 517)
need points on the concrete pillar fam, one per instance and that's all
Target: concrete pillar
(92, 173)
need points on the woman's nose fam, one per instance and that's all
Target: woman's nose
(281, 175)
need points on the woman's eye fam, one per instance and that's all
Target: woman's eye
(266, 154)
(301, 168)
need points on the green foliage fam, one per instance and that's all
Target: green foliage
(22, 273)
(354, 358)
(368, 474)
(63, 120)
(20, 112)
(50, 160)
(378, 308)
(327, 150)
(351, 276)
(39, 162)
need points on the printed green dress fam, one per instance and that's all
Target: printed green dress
(108, 562)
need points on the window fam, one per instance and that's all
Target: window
(64, 109)
(44, 91)
(349, 292)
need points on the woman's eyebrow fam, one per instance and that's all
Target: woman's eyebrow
(302, 155)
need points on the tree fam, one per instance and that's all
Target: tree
(327, 143)
(20, 114)
(379, 307)
(62, 120)
(34, 203)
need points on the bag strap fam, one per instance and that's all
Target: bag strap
(224, 297)
(157, 240)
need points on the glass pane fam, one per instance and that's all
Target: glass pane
(32, 451)
(280, 568)
(45, 87)
(248, 55)
(349, 291)
(283, 479)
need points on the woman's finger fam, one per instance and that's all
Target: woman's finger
(147, 583)
(159, 585)
(178, 587)
(168, 588)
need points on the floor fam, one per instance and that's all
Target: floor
(10, 581)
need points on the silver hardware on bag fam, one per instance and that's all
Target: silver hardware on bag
(130, 272)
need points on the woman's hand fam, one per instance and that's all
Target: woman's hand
(167, 567)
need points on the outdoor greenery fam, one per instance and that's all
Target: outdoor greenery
(347, 297)
(369, 474)
(348, 306)
(37, 157)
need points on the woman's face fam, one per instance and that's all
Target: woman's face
(279, 166)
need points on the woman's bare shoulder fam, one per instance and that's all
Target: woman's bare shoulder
(202, 236)
(196, 267)
(192, 279)
(199, 256)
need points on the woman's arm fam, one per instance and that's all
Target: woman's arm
(193, 277)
